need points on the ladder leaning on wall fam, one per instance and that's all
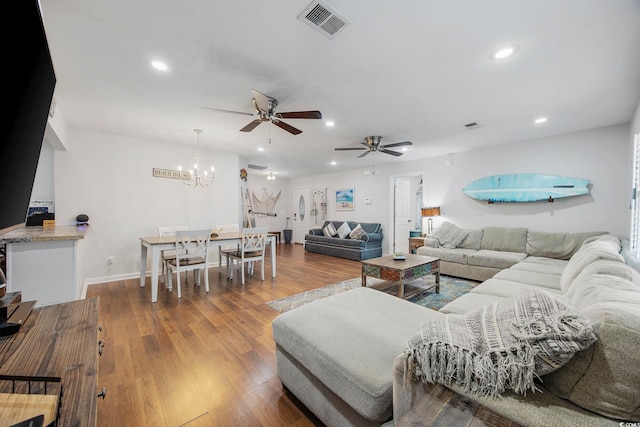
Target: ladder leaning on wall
(249, 217)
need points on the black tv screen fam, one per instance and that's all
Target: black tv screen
(30, 79)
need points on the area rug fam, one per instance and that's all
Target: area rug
(450, 289)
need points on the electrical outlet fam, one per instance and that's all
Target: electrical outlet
(111, 259)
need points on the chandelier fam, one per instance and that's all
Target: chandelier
(196, 176)
(271, 177)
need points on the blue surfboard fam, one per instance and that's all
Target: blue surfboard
(525, 187)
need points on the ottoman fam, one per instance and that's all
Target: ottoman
(336, 354)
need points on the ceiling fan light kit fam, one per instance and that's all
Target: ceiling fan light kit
(266, 112)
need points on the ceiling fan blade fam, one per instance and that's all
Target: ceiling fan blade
(350, 148)
(227, 111)
(287, 127)
(397, 144)
(363, 154)
(251, 126)
(393, 153)
(261, 100)
(300, 115)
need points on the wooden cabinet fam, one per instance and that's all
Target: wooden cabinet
(60, 341)
(415, 243)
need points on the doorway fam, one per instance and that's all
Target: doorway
(403, 200)
(301, 214)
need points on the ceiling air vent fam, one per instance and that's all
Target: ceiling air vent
(323, 18)
(256, 167)
(472, 125)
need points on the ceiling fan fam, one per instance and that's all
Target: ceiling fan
(372, 144)
(266, 111)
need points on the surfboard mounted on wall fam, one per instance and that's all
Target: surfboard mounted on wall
(525, 187)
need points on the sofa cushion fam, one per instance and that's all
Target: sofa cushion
(472, 240)
(357, 232)
(452, 255)
(329, 230)
(505, 288)
(611, 268)
(449, 235)
(495, 259)
(504, 345)
(605, 378)
(588, 253)
(508, 239)
(344, 230)
(335, 241)
(348, 342)
(546, 261)
(543, 280)
(539, 267)
(468, 302)
(556, 245)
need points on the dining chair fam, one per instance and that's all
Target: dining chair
(223, 249)
(192, 253)
(168, 254)
(252, 250)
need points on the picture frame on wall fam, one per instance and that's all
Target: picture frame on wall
(345, 199)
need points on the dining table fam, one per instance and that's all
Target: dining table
(159, 243)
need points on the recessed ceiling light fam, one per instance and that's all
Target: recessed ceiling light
(260, 149)
(333, 163)
(329, 123)
(159, 65)
(404, 149)
(540, 120)
(503, 52)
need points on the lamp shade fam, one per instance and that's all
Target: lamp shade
(431, 211)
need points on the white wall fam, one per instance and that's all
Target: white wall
(43, 183)
(109, 178)
(600, 155)
(258, 185)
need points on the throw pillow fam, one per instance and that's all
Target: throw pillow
(449, 235)
(357, 232)
(344, 230)
(329, 230)
(504, 345)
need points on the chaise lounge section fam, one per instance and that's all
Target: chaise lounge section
(344, 356)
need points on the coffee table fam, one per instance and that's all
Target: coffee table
(401, 272)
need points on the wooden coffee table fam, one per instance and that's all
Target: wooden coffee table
(401, 272)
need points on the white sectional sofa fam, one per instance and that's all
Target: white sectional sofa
(479, 254)
(345, 356)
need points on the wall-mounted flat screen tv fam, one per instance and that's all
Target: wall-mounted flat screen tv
(29, 80)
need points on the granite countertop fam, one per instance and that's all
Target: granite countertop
(44, 234)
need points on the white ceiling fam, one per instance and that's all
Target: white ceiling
(413, 70)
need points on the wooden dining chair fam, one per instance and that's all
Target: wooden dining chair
(224, 249)
(168, 254)
(252, 250)
(192, 253)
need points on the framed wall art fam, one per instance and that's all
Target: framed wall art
(345, 199)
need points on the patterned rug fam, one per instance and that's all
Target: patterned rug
(450, 289)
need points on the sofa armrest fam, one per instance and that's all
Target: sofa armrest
(407, 391)
(316, 232)
(431, 242)
(371, 237)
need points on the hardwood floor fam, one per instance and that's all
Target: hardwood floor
(207, 359)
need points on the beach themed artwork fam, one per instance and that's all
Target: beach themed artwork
(345, 199)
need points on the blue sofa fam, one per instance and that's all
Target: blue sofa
(367, 246)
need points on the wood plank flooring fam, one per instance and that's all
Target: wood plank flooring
(207, 359)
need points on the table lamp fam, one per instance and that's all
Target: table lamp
(430, 213)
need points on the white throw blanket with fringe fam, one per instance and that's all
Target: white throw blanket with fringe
(501, 346)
